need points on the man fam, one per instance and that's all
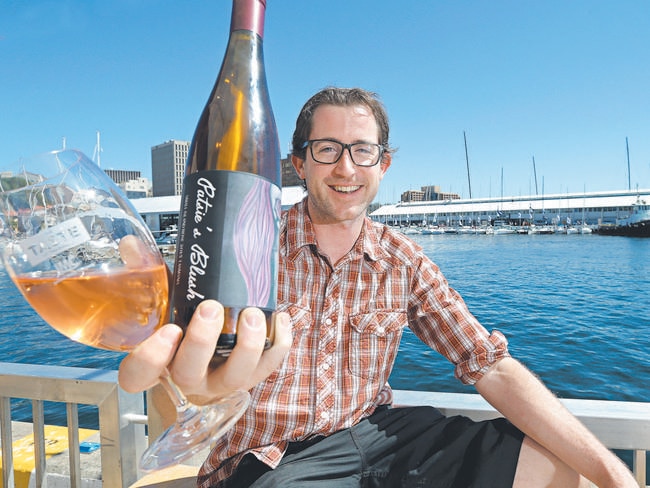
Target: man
(349, 287)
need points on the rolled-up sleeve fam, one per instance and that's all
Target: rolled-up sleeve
(488, 352)
(440, 318)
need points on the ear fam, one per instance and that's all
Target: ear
(386, 159)
(298, 165)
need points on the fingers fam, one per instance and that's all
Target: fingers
(190, 366)
(236, 372)
(189, 361)
(249, 363)
(135, 253)
(272, 358)
(141, 369)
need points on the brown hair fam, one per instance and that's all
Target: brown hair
(342, 97)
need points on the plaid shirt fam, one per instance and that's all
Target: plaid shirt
(347, 323)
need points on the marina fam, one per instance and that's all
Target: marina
(571, 213)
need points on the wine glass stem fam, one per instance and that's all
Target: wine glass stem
(174, 392)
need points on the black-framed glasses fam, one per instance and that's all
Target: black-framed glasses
(329, 151)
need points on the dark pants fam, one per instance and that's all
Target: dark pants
(396, 447)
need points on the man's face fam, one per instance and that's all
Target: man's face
(341, 192)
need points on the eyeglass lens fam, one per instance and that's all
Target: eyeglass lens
(329, 152)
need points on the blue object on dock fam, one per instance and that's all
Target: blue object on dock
(86, 447)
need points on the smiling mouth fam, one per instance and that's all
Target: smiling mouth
(346, 189)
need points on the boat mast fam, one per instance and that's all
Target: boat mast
(629, 180)
(501, 199)
(501, 184)
(469, 181)
(535, 173)
(97, 152)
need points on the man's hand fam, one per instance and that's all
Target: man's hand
(188, 360)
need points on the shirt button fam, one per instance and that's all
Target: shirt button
(326, 367)
(324, 415)
(328, 321)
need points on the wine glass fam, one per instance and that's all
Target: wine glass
(85, 261)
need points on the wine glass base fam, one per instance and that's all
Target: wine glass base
(194, 430)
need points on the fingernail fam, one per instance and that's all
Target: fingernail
(208, 310)
(283, 320)
(254, 319)
(170, 333)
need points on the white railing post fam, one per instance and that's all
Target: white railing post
(639, 467)
(6, 440)
(120, 459)
(38, 419)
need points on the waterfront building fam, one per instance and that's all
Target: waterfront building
(592, 208)
(168, 167)
(161, 213)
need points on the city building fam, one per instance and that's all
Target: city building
(131, 182)
(289, 175)
(137, 188)
(412, 196)
(168, 167)
(427, 194)
(122, 175)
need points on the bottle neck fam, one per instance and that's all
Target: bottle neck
(248, 15)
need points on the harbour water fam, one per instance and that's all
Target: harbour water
(574, 308)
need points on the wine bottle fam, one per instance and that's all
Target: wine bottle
(231, 201)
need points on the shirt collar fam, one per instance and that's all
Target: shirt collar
(299, 230)
(300, 233)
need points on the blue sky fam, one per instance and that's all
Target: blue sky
(562, 81)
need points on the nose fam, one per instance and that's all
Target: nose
(345, 164)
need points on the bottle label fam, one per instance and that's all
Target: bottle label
(228, 242)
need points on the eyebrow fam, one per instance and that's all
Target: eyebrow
(356, 141)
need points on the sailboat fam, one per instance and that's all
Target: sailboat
(584, 228)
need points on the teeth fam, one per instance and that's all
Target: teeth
(346, 189)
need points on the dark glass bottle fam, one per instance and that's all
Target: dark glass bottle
(230, 208)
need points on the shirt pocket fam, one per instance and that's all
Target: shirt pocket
(374, 341)
(300, 322)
